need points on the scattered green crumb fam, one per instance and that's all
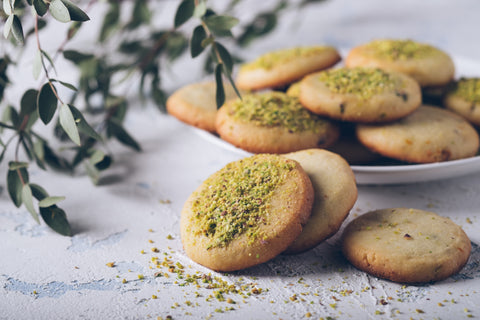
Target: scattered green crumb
(110, 264)
(141, 276)
(419, 311)
(169, 237)
(154, 296)
(467, 89)
(124, 280)
(378, 312)
(155, 249)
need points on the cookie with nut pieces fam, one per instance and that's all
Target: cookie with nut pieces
(430, 66)
(246, 213)
(463, 98)
(369, 95)
(282, 67)
(406, 245)
(273, 122)
(430, 134)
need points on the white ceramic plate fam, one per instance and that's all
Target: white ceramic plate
(400, 174)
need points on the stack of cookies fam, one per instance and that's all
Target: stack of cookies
(371, 109)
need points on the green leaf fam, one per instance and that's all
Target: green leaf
(14, 165)
(220, 93)
(39, 153)
(110, 21)
(38, 192)
(7, 27)
(59, 11)
(17, 30)
(76, 56)
(196, 43)
(40, 7)
(221, 23)
(76, 14)
(46, 103)
(200, 9)
(141, 14)
(56, 219)
(65, 84)
(83, 125)
(15, 185)
(27, 200)
(50, 60)
(97, 156)
(50, 201)
(92, 172)
(225, 56)
(28, 103)
(67, 121)
(176, 44)
(262, 24)
(7, 7)
(184, 12)
(116, 130)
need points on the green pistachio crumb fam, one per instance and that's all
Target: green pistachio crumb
(467, 89)
(363, 82)
(238, 199)
(276, 109)
(279, 57)
(400, 49)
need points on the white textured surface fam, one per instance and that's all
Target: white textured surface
(47, 276)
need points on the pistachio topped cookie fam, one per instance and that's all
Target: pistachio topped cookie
(195, 104)
(406, 245)
(273, 122)
(282, 67)
(246, 213)
(430, 134)
(360, 94)
(463, 97)
(428, 65)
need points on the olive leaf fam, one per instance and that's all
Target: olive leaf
(196, 43)
(46, 103)
(56, 219)
(28, 103)
(116, 130)
(50, 201)
(15, 180)
(75, 13)
(221, 24)
(40, 7)
(225, 56)
(37, 65)
(67, 121)
(7, 7)
(83, 125)
(27, 200)
(7, 27)
(59, 11)
(220, 92)
(184, 12)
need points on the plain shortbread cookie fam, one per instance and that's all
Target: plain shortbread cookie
(406, 245)
(335, 194)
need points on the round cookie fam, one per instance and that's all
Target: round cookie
(279, 68)
(246, 213)
(273, 122)
(195, 104)
(430, 134)
(463, 98)
(406, 245)
(360, 94)
(335, 194)
(428, 65)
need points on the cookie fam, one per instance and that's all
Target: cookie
(195, 104)
(282, 67)
(428, 65)
(360, 94)
(463, 98)
(246, 213)
(335, 194)
(406, 245)
(430, 134)
(273, 122)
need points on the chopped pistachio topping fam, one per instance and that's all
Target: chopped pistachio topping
(276, 109)
(400, 49)
(237, 200)
(275, 58)
(364, 82)
(468, 89)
